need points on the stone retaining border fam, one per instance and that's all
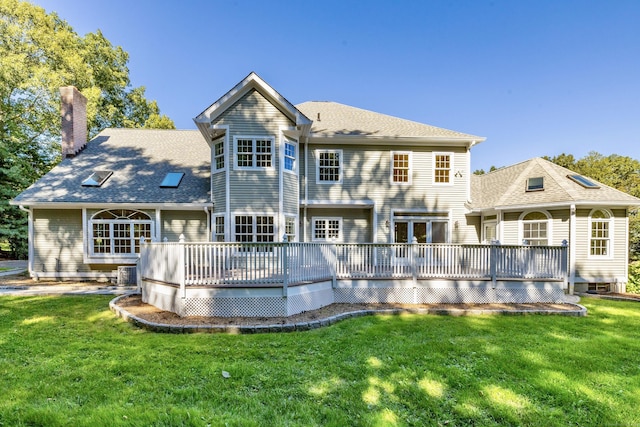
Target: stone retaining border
(580, 311)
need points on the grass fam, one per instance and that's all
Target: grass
(69, 361)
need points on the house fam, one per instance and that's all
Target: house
(259, 168)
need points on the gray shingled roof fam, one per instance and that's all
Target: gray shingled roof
(139, 159)
(507, 187)
(342, 120)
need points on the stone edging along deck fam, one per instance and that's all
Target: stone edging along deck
(579, 311)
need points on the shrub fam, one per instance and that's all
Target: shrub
(633, 285)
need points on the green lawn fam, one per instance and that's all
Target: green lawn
(69, 361)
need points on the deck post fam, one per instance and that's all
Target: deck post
(414, 260)
(564, 266)
(182, 266)
(493, 260)
(285, 265)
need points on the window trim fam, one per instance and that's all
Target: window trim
(216, 233)
(326, 239)
(294, 219)
(409, 168)
(111, 257)
(548, 222)
(254, 153)
(216, 156)
(610, 222)
(531, 188)
(296, 154)
(254, 233)
(340, 166)
(451, 167)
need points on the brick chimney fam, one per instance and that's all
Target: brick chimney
(74, 121)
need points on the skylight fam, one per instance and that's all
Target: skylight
(535, 184)
(172, 180)
(97, 179)
(586, 183)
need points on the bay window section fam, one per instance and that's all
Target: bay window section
(253, 153)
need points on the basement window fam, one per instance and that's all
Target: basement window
(586, 183)
(535, 184)
(97, 179)
(172, 180)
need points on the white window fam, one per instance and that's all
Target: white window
(290, 228)
(218, 229)
(600, 233)
(253, 153)
(535, 184)
(117, 232)
(327, 229)
(254, 228)
(400, 167)
(535, 229)
(218, 154)
(442, 167)
(290, 156)
(328, 166)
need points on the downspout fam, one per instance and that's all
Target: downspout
(30, 250)
(572, 248)
(306, 188)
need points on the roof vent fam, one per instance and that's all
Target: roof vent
(318, 116)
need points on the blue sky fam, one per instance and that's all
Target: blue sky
(534, 77)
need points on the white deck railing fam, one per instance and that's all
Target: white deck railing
(284, 264)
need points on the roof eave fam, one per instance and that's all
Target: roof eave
(385, 139)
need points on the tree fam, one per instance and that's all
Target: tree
(39, 53)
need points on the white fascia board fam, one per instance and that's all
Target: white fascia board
(337, 203)
(384, 140)
(165, 206)
(557, 205)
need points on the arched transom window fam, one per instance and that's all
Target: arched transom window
(600, 237)
(535, 229)
(118, 231)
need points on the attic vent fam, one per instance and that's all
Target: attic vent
(97, 179)
(172, 180)
(583, 181)
(535, 184)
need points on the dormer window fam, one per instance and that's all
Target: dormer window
(535, 184)
(97, 179)
(172, 180)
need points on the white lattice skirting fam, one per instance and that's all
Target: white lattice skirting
(272, 302)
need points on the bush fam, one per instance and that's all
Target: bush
(633, 285)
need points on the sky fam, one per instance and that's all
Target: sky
(535, 78)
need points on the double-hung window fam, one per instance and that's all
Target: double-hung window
(442, 167)
(253, 152)
(218, 154)
(254, 228)
(218, 230)
(289, 156)
(535, 229)
(400, 167)
(328, 166)
(117, 232)
(290, 228)
(600, 233)
(327, 229)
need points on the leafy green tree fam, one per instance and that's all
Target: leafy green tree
(39, 53)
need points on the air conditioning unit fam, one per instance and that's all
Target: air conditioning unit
(127, 275)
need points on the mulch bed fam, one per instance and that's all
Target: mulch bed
(134, 305)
